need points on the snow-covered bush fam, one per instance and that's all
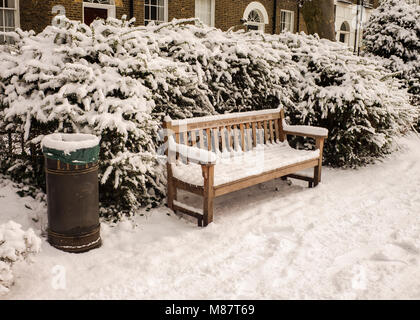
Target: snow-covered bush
(319, 82)
(119, 81)
(15, 245)
(393, 32)
(74, 78)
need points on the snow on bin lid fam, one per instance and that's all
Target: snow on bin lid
(69, 142)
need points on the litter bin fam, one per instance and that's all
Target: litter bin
(71, 166)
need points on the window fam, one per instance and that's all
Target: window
(286, 20)
(9, 17)
(99, 1)
(254, 20)
(367, 3)
(156, 11)
(256, 16)
(343, 35)
(93, 9)
(204, 10)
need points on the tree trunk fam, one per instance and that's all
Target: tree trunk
(319, 18)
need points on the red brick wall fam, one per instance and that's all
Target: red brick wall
(228, 13)
(122, 8)
(291, 6)
(181, 9)
(32, 15)
(139, 12)
(37, 14)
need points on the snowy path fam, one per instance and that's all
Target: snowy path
(357, 235)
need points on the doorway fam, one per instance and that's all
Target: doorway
(90, 14)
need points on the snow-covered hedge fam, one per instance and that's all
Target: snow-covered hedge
(319, 83)
(15, 245)
(119, 81)
(75, 78)
(393, 32)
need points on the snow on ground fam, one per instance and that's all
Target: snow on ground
(355, 236)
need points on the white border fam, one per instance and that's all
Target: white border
(110, 7)
(17, 14)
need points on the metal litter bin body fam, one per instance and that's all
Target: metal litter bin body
(71, 165)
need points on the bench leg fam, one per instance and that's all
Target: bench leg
(207, 210)
(208, 196)
(317, 169)
(317, 175)
(200, 222)
(171, 192)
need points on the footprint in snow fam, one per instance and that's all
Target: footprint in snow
(409, 247)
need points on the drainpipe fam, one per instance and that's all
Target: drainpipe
(357, 26)
(275, 17)
(298, 16)
(361, 30)
(131, 9)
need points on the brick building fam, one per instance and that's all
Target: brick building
(270, 16)
(350, 17)
(224, 14)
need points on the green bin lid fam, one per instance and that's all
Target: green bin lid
(71, 148)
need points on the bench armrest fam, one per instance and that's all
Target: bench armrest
(191, 153)
(305, 131)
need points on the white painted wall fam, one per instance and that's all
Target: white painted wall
(348, 12)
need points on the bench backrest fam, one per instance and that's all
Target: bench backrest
(228, 132)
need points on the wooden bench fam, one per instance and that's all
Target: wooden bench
(215, 155)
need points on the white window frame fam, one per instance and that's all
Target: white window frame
(292, 20)
(165, 12)
(345, 33)
(259, 7)
(213, 11)
(109, 7)
(16, 14)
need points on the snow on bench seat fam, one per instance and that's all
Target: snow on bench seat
(229, 168)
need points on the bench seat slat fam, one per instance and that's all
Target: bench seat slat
(272, 139)
(236, 136)
(276, 128)
(215, 123)
(208, 138)
(229, 137)
(215, 134)
(256, 161)
(263, 177)
(224, 119)
(242, 134)
(201, 138)
(265, 132)
(254, 135)
(193, 138)
(223, 137)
